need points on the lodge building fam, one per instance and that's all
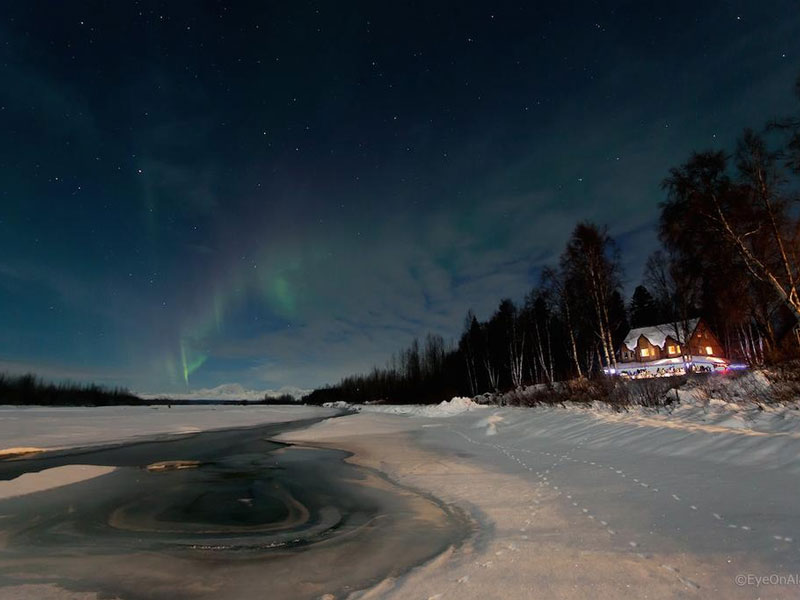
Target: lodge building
(646, 344)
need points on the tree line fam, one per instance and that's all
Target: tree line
(728, 229)
(28, 389)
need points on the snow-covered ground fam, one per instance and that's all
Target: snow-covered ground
(46, 427)
(445, 408)
(575, 502)
(29, 483)
(591, 503)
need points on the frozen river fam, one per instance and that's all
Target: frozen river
(225, 513)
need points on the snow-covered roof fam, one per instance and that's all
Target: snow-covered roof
(657, 334)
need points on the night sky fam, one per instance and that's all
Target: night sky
(277, 194)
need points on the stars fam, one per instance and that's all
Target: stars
(333, 104)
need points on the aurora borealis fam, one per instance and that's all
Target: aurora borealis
(281, 193)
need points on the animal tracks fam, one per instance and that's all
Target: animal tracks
(543, 477)
(642, 484)
(552, 474)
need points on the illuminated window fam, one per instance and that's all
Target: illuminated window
(645, 351)
(709, 350)
(671, 350)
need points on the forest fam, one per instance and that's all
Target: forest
(728, 231)
(28, 389)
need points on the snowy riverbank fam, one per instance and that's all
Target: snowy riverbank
(719, 404)
(577, 503)
(568, 501)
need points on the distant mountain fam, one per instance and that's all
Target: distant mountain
(228, 392)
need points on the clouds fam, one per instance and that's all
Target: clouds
(377, 291)
(304, 210)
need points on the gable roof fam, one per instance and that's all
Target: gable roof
(657, 334)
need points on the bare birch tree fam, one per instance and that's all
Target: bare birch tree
(591, 262)
(556, 281)
(750, 215)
